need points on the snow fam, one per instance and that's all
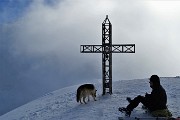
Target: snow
(62, 105)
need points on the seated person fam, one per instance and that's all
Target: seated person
(156, 101)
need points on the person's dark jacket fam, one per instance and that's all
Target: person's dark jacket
(157, 99)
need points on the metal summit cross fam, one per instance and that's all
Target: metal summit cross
(107, 48)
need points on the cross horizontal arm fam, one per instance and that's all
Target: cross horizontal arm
(91, 48)
(123, 48)
(115, 48)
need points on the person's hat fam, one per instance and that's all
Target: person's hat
(155, 80)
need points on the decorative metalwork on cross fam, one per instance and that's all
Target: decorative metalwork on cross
(107, 48)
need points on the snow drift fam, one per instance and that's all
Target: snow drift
(62, 105)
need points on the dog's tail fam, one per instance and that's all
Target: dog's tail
(78, 95)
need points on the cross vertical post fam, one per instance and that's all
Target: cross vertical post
(107, 56)
(107, 48)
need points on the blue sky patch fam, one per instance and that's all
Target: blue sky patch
(11, 10)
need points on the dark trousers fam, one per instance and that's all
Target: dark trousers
(135, 102)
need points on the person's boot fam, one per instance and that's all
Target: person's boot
(125, 110)
(128, 99)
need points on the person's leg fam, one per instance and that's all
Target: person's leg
(135, 102)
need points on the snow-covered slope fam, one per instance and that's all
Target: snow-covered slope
(62, 105)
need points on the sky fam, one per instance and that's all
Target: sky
(40, 43)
